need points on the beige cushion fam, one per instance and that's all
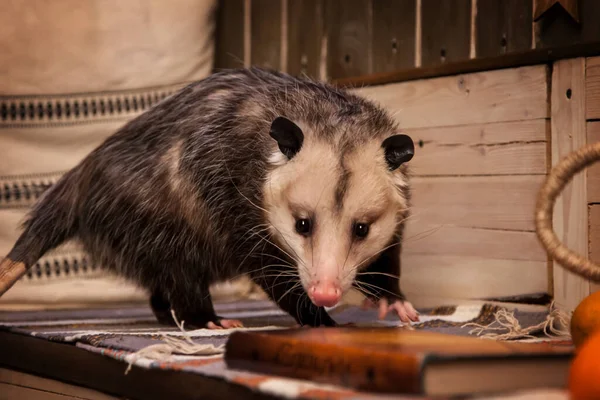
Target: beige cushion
(71, 73)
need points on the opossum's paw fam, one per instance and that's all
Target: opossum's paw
(404, 309)
(224, 324)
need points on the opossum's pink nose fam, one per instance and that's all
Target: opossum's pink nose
(324, 293)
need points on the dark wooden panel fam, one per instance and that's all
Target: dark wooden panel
(305, 32)
(393, 34)
(557, 28)
(445, 31)
(229, 35)
(266, 33)
(349, 42)
(502, 26)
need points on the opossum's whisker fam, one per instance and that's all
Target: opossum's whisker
(359, 264)
(364, 290)
(296, 286)
(380, 273)
(424, 234)
(378, 288)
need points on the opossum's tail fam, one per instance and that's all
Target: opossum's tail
(52, 221)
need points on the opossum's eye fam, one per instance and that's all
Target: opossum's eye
(303, 226)
(288, 135)
(398, 150)
(361, 230)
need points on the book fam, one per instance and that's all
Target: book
(400, 361)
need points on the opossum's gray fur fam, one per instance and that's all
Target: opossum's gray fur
(173, 199)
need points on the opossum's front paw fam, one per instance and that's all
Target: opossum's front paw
(222, 323)
(405, 310)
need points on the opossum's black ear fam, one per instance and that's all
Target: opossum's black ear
(398, 150)
(288, 135)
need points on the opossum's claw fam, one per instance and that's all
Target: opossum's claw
(224, 324)
(405, 310)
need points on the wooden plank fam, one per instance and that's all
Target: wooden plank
(517, 148)
(305, 30)
(471, 277)
(486, 202)
(393, 34)
(445, 30)
(502, 26)
(594, 230)
(592, 88)
(570, 211)
(593, 171)
(557, 27)
(473, 242)
(348, 38)
(594, 241)
(265, 42)
(482, 97)
(28, 381)
(8, 391)
(229, 35)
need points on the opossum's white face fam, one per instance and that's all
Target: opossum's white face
(333, 213)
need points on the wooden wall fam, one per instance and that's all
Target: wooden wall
(485, 140)
(336, 39)
(481, 156)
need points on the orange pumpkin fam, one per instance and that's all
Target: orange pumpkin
(585, 319)
(584, 373)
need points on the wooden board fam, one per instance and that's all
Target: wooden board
(229, 36)
(393, 34)
(502, 26)
(592, 88)
(266, 33)
(445, 31)
(471, 277)
(593, 171)
(557, 28)
(488, 202)
(19, 385)
(348, 38)
(570, 211)
(493, 96)
(473, 242)
(305, 30)
(594, 239)
(594, 231)
(516, 148)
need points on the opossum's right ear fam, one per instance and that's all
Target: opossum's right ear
(288, 135)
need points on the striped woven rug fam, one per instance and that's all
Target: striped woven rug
(120, 333)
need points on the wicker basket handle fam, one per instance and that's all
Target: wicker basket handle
(555, 182)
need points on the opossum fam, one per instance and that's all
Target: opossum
(298, 184)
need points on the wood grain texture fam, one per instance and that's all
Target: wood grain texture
(593, 171)
(557, 28)
(516, 148)
(471, 277)
(349, 38)
(570, 211)
(445, 31)
(594, 238)
(305, 30)
(484, 202)
(33, 382)
(393, 34)
(473, 242)
(592, 88)
(493, 96)
(265, 41)
(502, 26)
(229, 36)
